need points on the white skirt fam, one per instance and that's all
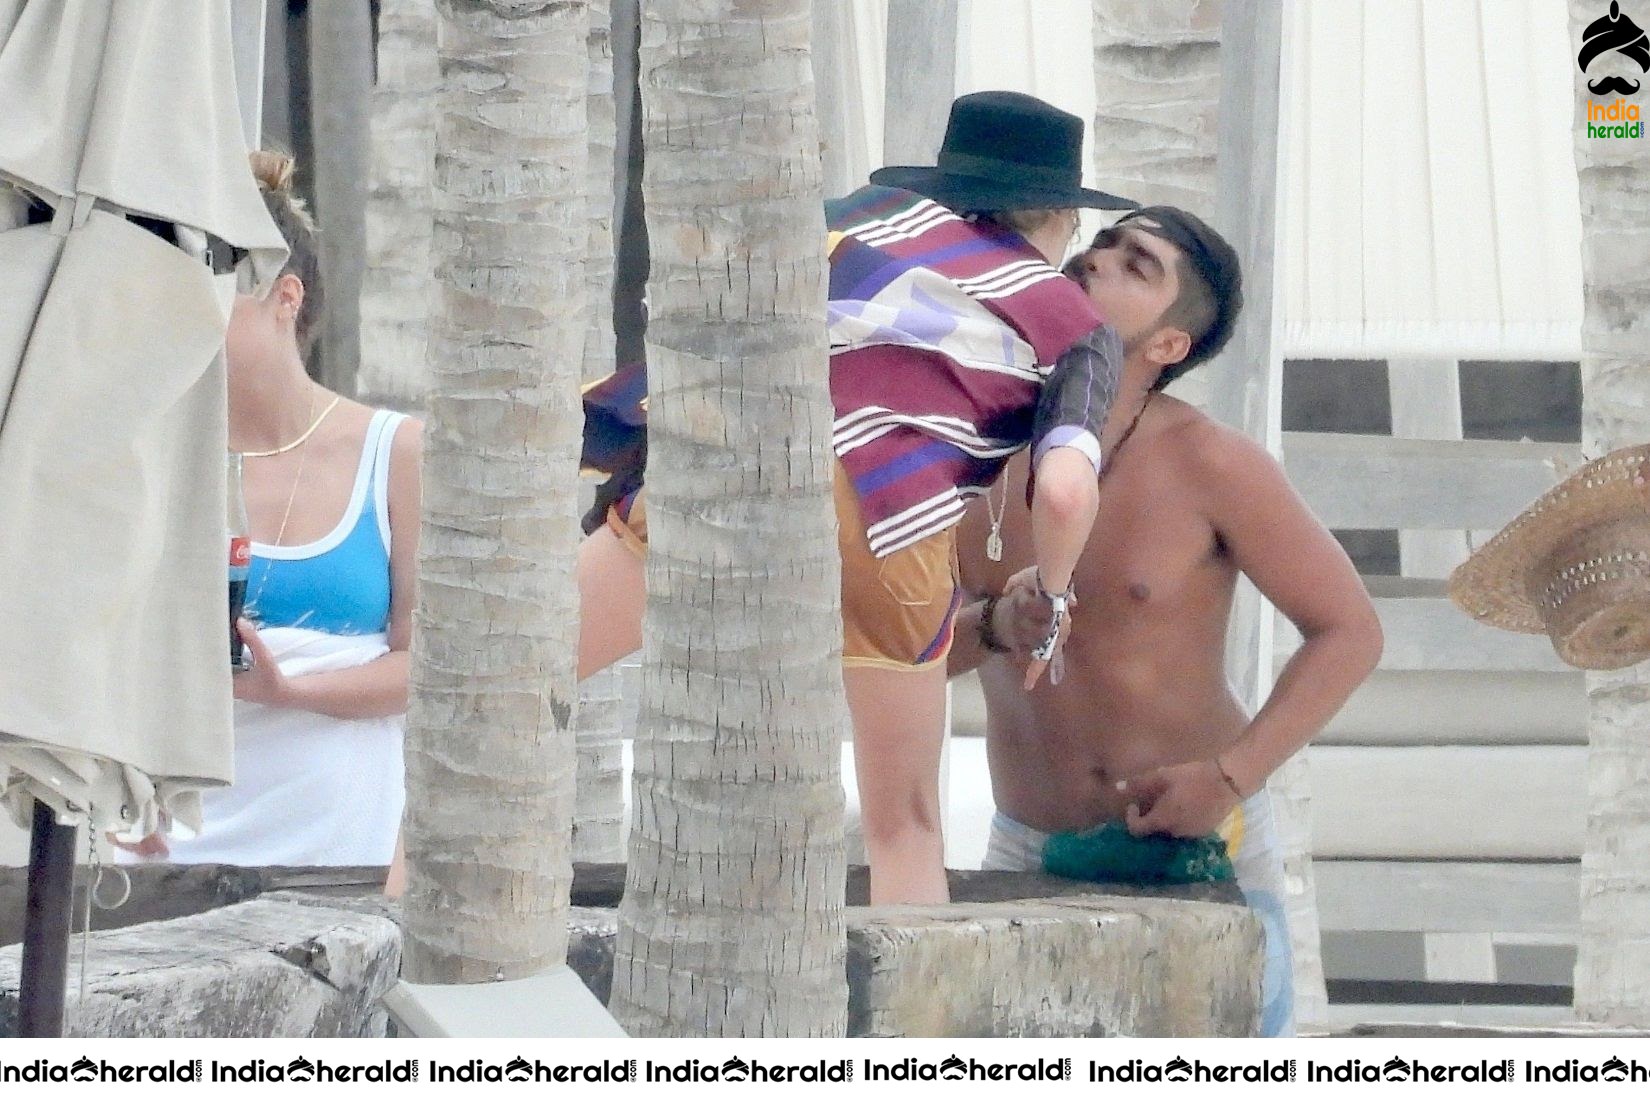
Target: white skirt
(309, 790)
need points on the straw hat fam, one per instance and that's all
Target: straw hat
(1575, 565)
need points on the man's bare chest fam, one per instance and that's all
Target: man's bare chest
(1151, 547)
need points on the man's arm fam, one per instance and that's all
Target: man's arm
(967, 651)
(974, 577)
(1297, 564)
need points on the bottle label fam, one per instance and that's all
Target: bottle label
(240, 552)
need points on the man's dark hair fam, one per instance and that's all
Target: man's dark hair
(1211, 283)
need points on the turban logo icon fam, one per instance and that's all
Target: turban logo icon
(1615, 32)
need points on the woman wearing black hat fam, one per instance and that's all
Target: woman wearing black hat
(955, 342)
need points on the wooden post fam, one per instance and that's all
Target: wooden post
(1247, 384)
(1426, 404)
(1612, 982)
(1247, 377)
(601, 174)
(922, 78)
(397, 284)
(299, 131)
(606, 716)
(340, 75)
(275, 117)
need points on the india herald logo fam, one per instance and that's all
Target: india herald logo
(1615, 33)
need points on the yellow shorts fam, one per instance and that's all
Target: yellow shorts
(897, 612)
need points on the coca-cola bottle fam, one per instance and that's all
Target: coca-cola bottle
(240, 563)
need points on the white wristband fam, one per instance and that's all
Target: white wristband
(1057, 618)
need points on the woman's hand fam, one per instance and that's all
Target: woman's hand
(263, 682)
(152, 845)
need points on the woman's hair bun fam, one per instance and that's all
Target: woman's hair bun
(273, 170)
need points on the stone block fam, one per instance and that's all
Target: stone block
(163, 891)
(280, 965)
(290, 963)
(1095, 965)
(1058, 967)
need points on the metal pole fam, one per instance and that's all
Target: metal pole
(46, 925)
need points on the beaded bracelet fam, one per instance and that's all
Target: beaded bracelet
(987, 628)
(1227, 776)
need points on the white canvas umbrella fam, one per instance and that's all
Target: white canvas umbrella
(114, 686)
(125, 202)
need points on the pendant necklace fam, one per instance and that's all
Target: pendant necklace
(999, 507)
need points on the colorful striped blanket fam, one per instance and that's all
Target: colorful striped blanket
(942, 333)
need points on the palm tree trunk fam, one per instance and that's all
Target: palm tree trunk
(397, 296)
(396, 289)
(489, 740)
(732, 921)
(1157, 94)
(1157, 97)
(1612, 983)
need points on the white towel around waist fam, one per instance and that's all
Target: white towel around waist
(309, 790)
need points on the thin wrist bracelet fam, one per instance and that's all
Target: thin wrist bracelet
(987, 630)
(1220, 766)
(1057, 617)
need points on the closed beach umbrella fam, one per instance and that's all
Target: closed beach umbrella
(127, 215)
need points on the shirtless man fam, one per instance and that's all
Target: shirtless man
(1143, 726)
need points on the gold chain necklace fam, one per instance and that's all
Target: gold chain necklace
(292, 496)
(302, 439)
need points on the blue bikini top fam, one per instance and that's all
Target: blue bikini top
(340, 583)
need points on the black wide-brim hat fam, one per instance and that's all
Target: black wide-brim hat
(1006, 151)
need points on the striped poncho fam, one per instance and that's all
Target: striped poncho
(943, 331)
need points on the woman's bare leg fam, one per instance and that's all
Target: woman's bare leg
(612, 595)
(395, 883)
(899, 728)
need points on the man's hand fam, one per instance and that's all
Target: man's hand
(263, 682)
(1022, 617)
(1189, 800)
